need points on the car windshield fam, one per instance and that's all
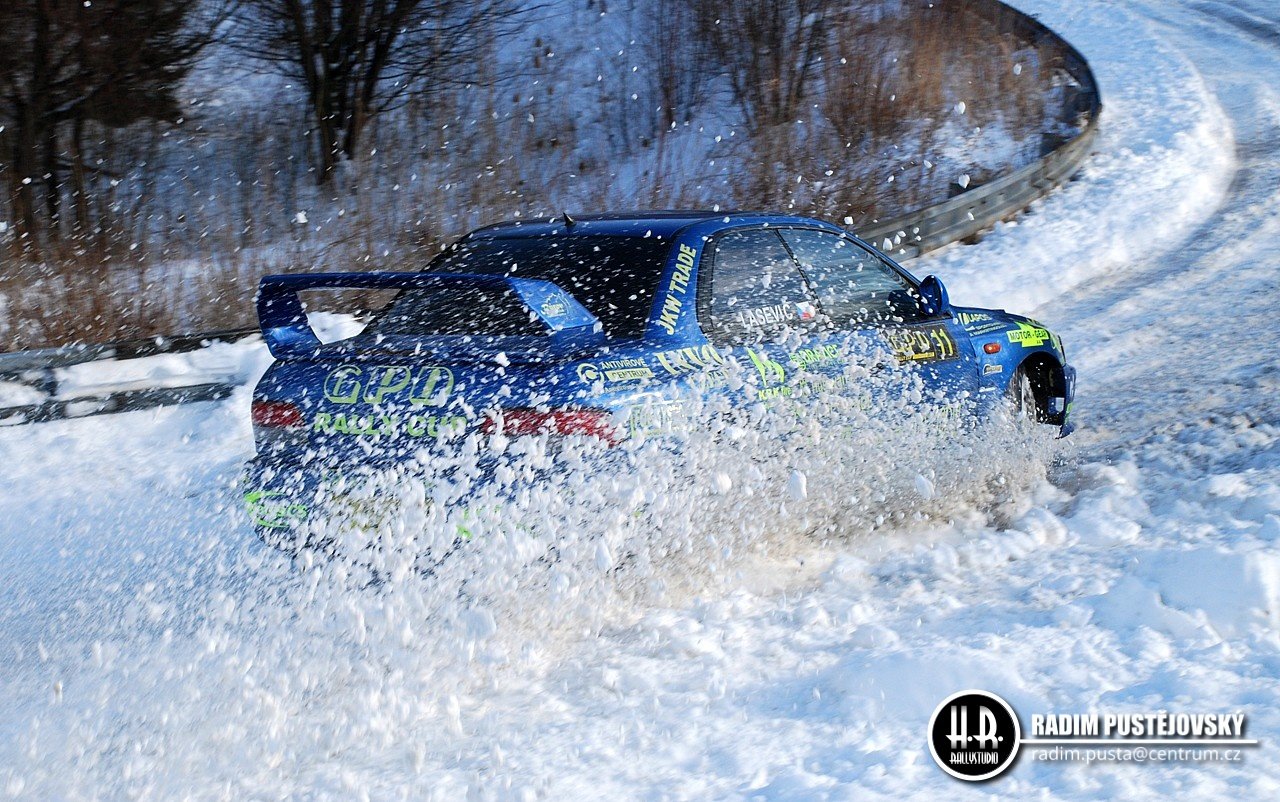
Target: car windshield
(614, 277)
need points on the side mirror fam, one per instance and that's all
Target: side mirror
(933, 297)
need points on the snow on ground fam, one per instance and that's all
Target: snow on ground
(153, 650)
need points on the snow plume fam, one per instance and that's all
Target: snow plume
(357, 667)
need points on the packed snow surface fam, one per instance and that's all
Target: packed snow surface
(790, 625)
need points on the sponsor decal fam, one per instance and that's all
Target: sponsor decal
(1028, 336)
(975, 735)
(387, 425)
(922, 344)
(677, 289)
(553, 308)
(764, 316)
(988, 370)
(671, 306)
(806, 358)
(684, 269)
(707, 380)
(342, 385)
(979, 329)
(430, 385)
(629, 374)
(654, 418)
(273, 509)
(969, 319)
(615, 371)
(680, 361)
(771, 371)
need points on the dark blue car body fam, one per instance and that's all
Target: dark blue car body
(592, 327)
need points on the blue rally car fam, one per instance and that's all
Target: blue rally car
(566, 327)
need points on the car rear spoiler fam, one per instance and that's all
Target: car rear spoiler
(289, 336)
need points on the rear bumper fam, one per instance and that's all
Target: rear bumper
(279, 500)
(291, 501)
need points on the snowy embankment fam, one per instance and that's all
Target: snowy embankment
(152, 649)
(1161, 164)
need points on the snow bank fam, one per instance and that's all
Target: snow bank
(1198, 592)
(1162, 162)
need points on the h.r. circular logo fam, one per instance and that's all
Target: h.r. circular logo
(974, 735)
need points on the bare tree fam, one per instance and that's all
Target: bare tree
(677, 74)
(358, 58)
(768, 49)
(67, 63)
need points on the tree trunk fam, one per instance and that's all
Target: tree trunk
(329, 147)
(23, 195)
(80, 196)
(52, 186)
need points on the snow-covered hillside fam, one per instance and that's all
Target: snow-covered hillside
(152, 649)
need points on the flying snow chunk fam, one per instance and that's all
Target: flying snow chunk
(721, 482)
(300, 218)
(480, 623)
(960, 107)
(798, 486)
(924, 487)
(604, 556)
(963, 181)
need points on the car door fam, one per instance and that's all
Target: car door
(858, 290)
(750, 293)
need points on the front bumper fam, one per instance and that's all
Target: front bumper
(1069, 397)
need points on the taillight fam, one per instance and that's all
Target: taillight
(522, 421)
(276, 414)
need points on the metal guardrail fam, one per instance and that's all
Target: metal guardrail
(13, 364)
(120, 401)
(905, 236)
(913, 233)
(37, 369)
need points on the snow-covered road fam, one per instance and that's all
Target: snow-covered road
(143, 655)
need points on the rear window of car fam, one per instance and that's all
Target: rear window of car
(615, 278)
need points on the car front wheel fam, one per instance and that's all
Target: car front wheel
(1022, 397)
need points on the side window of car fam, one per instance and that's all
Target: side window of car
(757, 289)
(854, 285)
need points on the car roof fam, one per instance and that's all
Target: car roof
(663, 224)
